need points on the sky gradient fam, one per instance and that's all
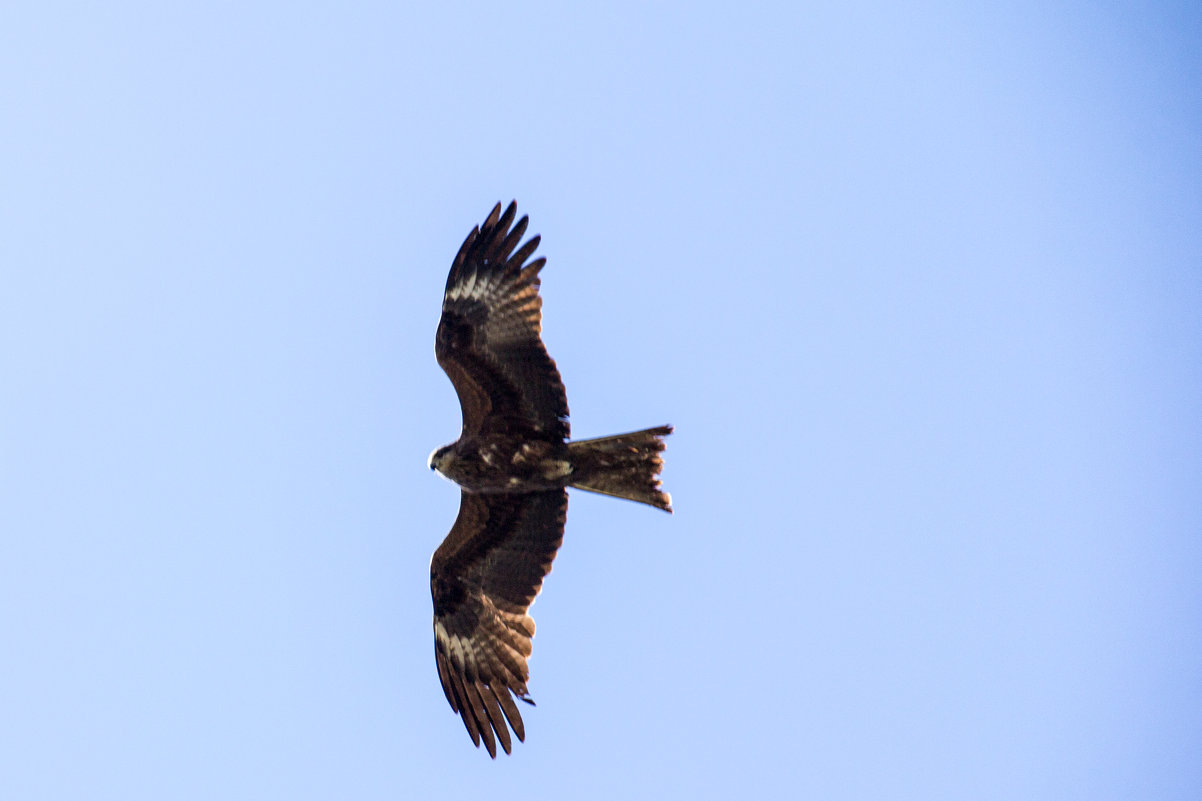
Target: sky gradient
(920, 287)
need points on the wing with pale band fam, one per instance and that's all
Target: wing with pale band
(484, 577)
(488, 337)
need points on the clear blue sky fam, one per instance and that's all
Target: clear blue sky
(920, 287)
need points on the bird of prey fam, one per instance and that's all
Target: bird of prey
(513, 463)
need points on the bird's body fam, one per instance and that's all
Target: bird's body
(504, 463)
(513, 461)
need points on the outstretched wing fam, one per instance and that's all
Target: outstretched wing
(488, 338)
(483, 578)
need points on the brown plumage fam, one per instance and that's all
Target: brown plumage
(514, 463)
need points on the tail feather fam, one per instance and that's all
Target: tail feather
(624, 466)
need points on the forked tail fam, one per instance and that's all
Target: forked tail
(624, 466)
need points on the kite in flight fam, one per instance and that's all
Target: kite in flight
(513, 462)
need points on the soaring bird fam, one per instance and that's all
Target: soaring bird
(513, 463)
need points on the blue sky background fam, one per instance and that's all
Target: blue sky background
(920, 286)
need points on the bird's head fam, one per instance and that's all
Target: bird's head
(440, 458)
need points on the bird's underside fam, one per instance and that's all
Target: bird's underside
(625, 465)
(514, 462)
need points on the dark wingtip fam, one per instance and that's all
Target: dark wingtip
(506, 220)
